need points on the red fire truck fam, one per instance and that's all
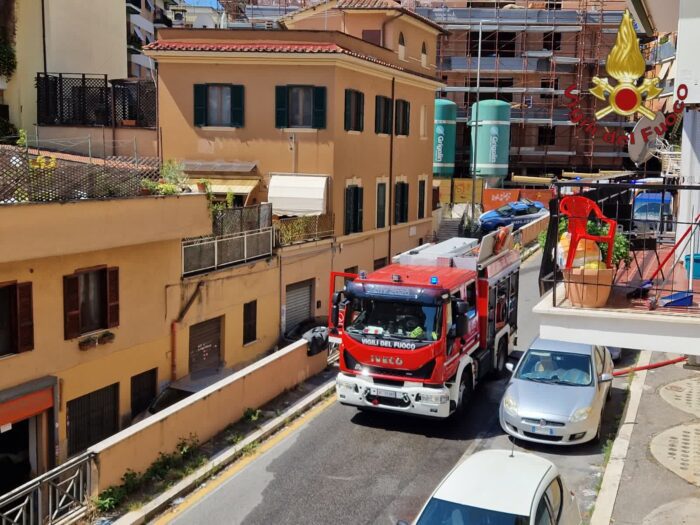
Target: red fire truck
(418, 335)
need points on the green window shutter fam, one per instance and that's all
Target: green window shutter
(407, 117)
(358, 215)
(237, 106)
(397, 203)
(318, 120)
(200, 104)
(281, 107)
(381, 205)
(404, 211)
(349, 206)
(361, 110)
(348, 107)
(421, 199)
(377, 114)
(389, 110)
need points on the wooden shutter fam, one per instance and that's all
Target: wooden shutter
(200, 104)
(25, 318)
(318, 119)
(389, 115)
(406, 117)
(361, 110)
(112, 297)
(281, 107)
(397, 203)
(71, 306)
(349, 208)
(348, 109)
(421, 199)
(358, 214)
(377, 114)
(381, 205)
(404, 207)
(237, 106)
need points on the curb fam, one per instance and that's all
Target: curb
(224, 458)
(605, 502)
(528, 252)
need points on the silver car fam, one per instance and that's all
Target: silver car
(557, 393)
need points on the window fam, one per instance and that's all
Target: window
(549, 84)
(552, 41)
(92, 418)
(424, 55)
(354, 110)
(554, 498)
(90, 301)
(381, 205)
(382, 115)
(403, 117)
(493, 44)
(421, 199)
(553, 4)
(218, 105)
(373, 36)
(300, 107)
(402, 47)
(353, 209)
(543, 516)
(379, 263)
(16, 318)
(143, 390)
(546, 136)
(401, 202)
(250, 320)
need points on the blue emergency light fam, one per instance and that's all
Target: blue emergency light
(433, 279)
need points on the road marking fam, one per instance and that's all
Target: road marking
(213, 484)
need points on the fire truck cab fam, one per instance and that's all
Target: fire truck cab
(418, 335)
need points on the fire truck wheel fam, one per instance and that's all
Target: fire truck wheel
(466, 386)
(501, 358)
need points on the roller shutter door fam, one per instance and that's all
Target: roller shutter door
(205, 345)
(298, 304)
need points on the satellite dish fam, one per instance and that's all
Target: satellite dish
(641, 151)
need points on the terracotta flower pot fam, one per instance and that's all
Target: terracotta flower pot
(588, 288)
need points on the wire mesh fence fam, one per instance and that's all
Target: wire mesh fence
(38, 175)
(304, 229)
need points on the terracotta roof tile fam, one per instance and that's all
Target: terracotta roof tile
(368, 4)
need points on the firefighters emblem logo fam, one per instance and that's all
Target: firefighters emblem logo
(626, 65)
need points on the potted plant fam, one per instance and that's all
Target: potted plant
(148, 187)
(203, 186)
(87, 343)
(105, 338)
(129, 122)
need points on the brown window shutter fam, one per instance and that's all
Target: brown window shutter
(112, 297)
(71, 306)
(25, 318)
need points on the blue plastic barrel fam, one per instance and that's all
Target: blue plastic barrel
(696, 265)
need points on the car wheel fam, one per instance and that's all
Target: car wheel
(501, 358)
(466, 387)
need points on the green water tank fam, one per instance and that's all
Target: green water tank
(492, 143)
(445, 134)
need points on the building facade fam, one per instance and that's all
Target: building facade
(332, 129)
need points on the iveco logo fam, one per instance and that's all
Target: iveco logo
(380, 360)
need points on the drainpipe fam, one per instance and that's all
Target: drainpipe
(391, 166)
(43, 35)
(173, 330)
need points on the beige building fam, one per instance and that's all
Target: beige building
(332, 127)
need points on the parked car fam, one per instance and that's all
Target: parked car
(557, 393)
(501, 487)
(182, 388)
(518, 213)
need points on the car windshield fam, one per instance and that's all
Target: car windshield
(441, 512)
(650, 210)
(166, 398)
(505, 211)
(556, 367)
(394, 319)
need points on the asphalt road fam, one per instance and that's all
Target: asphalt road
(345, 466)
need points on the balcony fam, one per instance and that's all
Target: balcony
(240, 235)
(304, 229)
(647, 300)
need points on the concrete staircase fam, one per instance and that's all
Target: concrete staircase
(448, 228)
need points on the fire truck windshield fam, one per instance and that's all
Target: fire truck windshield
(388, 319)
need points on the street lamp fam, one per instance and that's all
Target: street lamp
(476, 120)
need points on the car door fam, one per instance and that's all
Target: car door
(555, 507)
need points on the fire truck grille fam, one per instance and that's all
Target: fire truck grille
(424, 372)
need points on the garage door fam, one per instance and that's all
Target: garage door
(205, 345)
(92, 418)
(298, 305)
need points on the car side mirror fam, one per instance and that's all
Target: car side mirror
(605, 378)
(461, 307)
(510, 367)
(462, 326)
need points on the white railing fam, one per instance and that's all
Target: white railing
(58, 497)
(211, 253)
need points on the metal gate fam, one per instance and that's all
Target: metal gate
(205, 345)
(92, 418)
(298, 304)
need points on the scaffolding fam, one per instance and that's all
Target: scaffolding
(531, 52)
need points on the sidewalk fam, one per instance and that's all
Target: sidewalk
(660, 483)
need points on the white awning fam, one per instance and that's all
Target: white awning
(297, 194)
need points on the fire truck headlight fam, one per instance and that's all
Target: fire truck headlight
(510, 405)
(343, 384)
(434, 399)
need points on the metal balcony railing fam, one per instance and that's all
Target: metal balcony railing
(304, 229)
(205, 254)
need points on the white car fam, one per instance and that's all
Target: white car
(501, 487)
